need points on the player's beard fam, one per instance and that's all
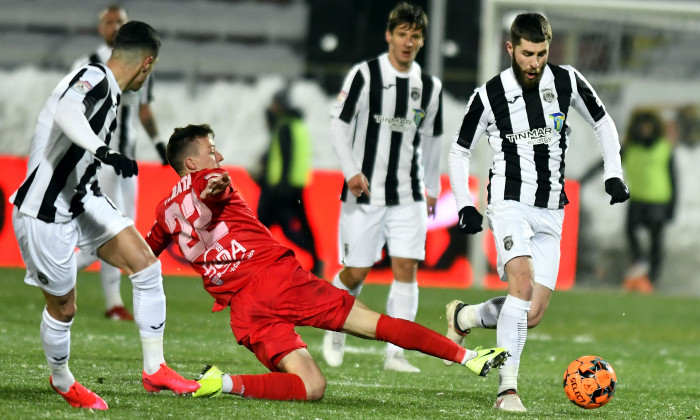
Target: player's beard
(521, 76)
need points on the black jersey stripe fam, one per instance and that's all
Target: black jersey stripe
(59, 178)
(123, 130)
(499, 104)
(76, 203)
(470, 122)
(372, 134)
(589, 99)
(24, 188)
(562, 83)
(391, 183)
(351, 100)
(535, 119)
(437, 125)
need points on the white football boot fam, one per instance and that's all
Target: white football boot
(509, 400)
(396, 361)
(334, 348)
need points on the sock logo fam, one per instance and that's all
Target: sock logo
(158, 326)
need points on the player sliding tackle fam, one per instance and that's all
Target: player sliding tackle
(243, 267)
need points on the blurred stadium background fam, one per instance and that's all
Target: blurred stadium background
(221, 61)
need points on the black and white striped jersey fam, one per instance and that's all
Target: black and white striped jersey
(60, 174)
(390, 114)
(128, 112)
(529, 133)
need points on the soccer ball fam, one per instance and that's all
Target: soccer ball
(589, 382)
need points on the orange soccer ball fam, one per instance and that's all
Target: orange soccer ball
(589, 382)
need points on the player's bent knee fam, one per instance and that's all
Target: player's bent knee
(316, 389)
(148, 278)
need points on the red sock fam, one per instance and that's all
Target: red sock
(412, 336)
(270, 386)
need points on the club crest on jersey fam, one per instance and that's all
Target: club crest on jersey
(548, 95)
(558, 119)
(418, 115)
(82, 86)
(415, 94)
(508, 242)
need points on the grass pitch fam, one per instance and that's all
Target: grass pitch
(651, 341)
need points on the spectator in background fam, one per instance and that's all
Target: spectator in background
(386, 131)
(286, 172)
(647, 158)
(122, 191)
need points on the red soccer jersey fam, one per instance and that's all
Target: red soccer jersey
(220, 237)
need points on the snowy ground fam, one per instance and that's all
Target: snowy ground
(236, 112)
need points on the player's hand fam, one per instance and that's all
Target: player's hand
(470, 220)
(617, 190)
(215, 186)
(432, 204)
(160, 147)
(359, 185)
(122, 165)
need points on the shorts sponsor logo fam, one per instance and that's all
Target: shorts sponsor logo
(43, 278)
(508, 242)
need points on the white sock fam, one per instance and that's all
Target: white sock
(83, 259)
(111, 280)
(226, 384)
(55, 337)
(149, 314)
(402, 303)
(508, 377)
(511, 330)
(340, 285)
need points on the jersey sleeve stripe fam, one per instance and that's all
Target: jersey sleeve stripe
(589, 99)
(470, 122)
(348, 111)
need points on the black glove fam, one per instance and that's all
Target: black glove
(470, 220)
(122, 165)
(617, 190)
(160, 147)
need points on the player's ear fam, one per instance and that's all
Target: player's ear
(387, 36)
(191, 165)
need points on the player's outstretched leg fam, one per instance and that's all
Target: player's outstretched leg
(167, 379)
(454, 332)
(278, 386)
(80, 397)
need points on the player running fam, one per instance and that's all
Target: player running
(59, 206)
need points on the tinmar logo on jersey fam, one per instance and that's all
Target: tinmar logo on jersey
(396, 124)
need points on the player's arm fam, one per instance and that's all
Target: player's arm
(148, 119)
(431, 130)
(473, 126)
(588, 105)
(70, 116)
(157, 239)
(350, 100)
(284, 137)
(215, 186)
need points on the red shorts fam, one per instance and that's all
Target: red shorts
(266, 310)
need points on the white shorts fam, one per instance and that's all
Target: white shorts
(48, 249)
(520, 229)
(122, 191)
(365, 228)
